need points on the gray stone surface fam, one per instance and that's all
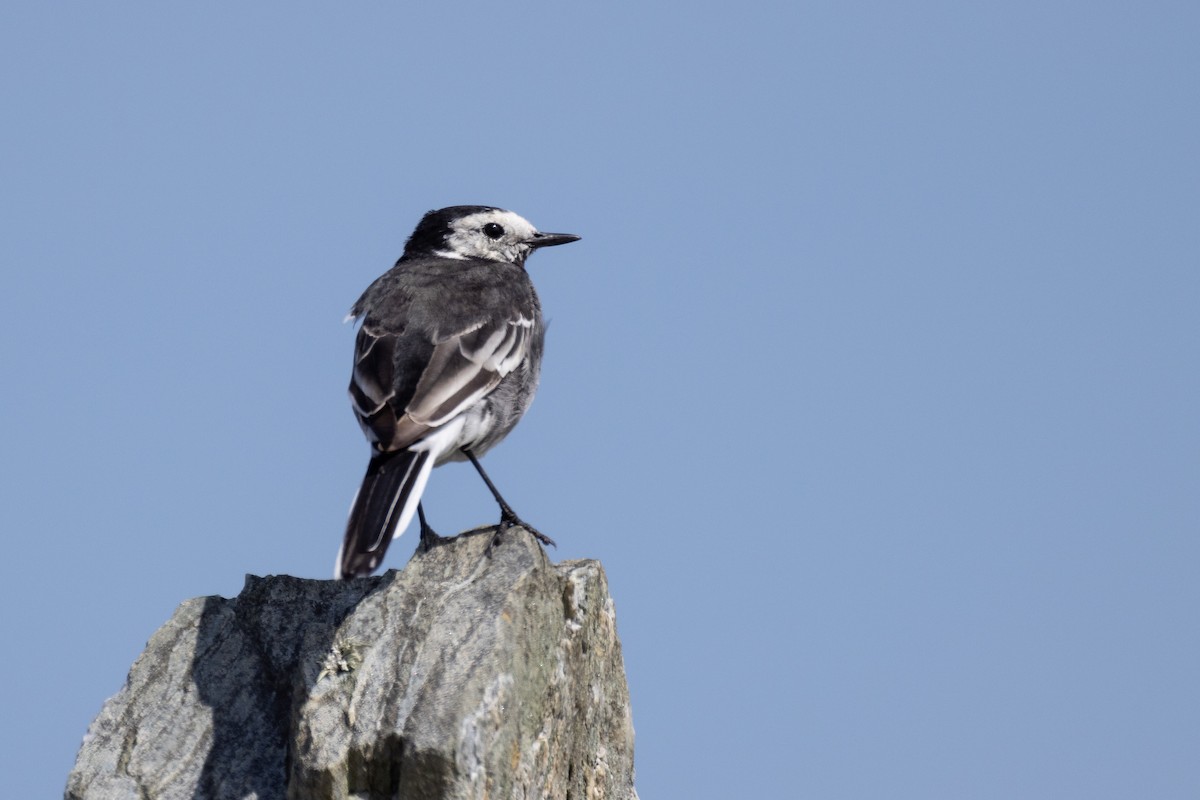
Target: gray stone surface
(461, 676)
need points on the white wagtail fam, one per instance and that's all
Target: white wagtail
(446, 362)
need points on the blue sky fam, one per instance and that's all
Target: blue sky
(873, 382)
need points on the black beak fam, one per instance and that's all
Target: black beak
(550, 239)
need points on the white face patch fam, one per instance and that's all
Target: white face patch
(469, 239)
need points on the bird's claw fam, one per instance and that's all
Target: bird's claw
(430, 539)
(508, 519)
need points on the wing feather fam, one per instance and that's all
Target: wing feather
(372, 382)
(464, 368)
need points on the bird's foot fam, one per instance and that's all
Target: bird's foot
(509, 519)
(429, 537)
(430, 540)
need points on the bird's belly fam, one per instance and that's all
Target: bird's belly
(482, 429)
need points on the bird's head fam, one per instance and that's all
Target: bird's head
(479, 232)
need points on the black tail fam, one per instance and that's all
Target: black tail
(390, 492)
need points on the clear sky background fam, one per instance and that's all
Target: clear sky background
(873, 382)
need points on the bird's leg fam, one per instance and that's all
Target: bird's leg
(428, 537)
(508, 517)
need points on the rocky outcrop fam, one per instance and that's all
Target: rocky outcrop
(465, 675)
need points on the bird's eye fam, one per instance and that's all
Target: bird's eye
(493, 230)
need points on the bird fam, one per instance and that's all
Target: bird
(446, 362)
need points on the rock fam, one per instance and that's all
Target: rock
(462, 676)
